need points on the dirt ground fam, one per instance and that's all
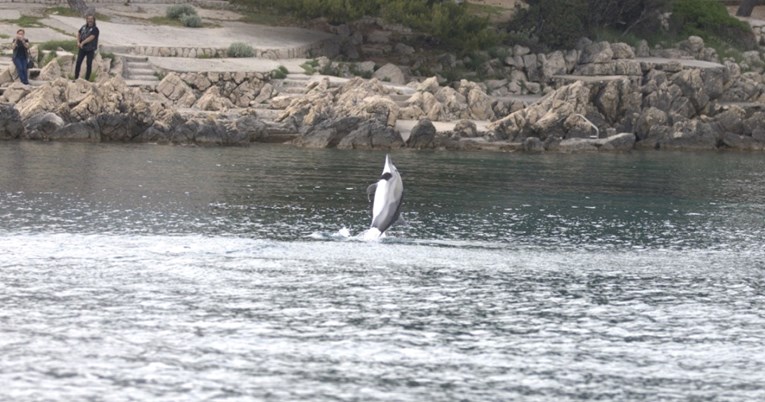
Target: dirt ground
(758, 12)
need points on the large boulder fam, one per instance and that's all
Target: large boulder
(422, 136)
(41, 126)
(328, 133)
(390, 73)
(212, 100)
(596, 52)
(175, 90)
(546, 117)
(372, 135)
(11, 126)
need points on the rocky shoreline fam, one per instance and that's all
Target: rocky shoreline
(600, 97)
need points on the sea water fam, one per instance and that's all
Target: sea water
(145, 272)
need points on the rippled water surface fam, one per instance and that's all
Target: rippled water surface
(173, 273)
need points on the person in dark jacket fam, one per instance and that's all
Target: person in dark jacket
(21, 56)
(87, 41)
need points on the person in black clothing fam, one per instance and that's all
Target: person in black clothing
(87, 41)
(21, 56)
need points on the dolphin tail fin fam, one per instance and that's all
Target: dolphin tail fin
(371, 190)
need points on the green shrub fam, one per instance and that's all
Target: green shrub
(176, 11)
(240, 49)
(279, 73)
(310, 66)
(68, 45)
(191, 20)
(710, 20)
(451, 24)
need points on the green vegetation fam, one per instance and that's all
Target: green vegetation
(451, 25)
(180, 14)
(53, 45)
(191, 21)
(26, 21)
(711, 21)
(175, 12)
(279, 73)
(550, 24)
(310, 66)
(240, 49)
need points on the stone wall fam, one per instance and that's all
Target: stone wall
(308, 51)
(215, 91)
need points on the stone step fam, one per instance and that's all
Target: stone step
(292, 90)
(141, 71)
(138, 64)
(142, 78)
(150, 84)
(130, 58)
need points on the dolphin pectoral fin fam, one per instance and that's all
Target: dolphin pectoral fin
(371, 190)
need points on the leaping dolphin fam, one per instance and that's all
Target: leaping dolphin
(389, 193)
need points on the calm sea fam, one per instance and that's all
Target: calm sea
(144, 272)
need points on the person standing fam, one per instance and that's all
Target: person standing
(87, 42)
(21, 56)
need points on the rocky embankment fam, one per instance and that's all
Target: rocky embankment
(601, 97)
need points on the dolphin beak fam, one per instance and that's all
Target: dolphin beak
(388, 164)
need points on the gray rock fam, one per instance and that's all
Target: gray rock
(372, 135)
(741, 142)
(390, 73)
(251, 127)
(691, 135)
(465, 129)
(531, 64)
(328, 133)
(422, 135)
(11, 126)
(649, 118)
(642, 49)
(731, 121)
(85, 131)
(553, 64)
(618, 143)
(758, 134)
(519, 50)
(622, 51)
(578, 145)
(533, 145)
(598, 52)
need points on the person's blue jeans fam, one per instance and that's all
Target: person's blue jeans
(21, 69)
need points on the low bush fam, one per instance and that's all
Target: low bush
(176, 11)
(191, 20)
(279, 73)
(240, 49)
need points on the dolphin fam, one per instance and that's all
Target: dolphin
(389, 193)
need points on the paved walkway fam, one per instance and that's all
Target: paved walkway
(130, 29)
